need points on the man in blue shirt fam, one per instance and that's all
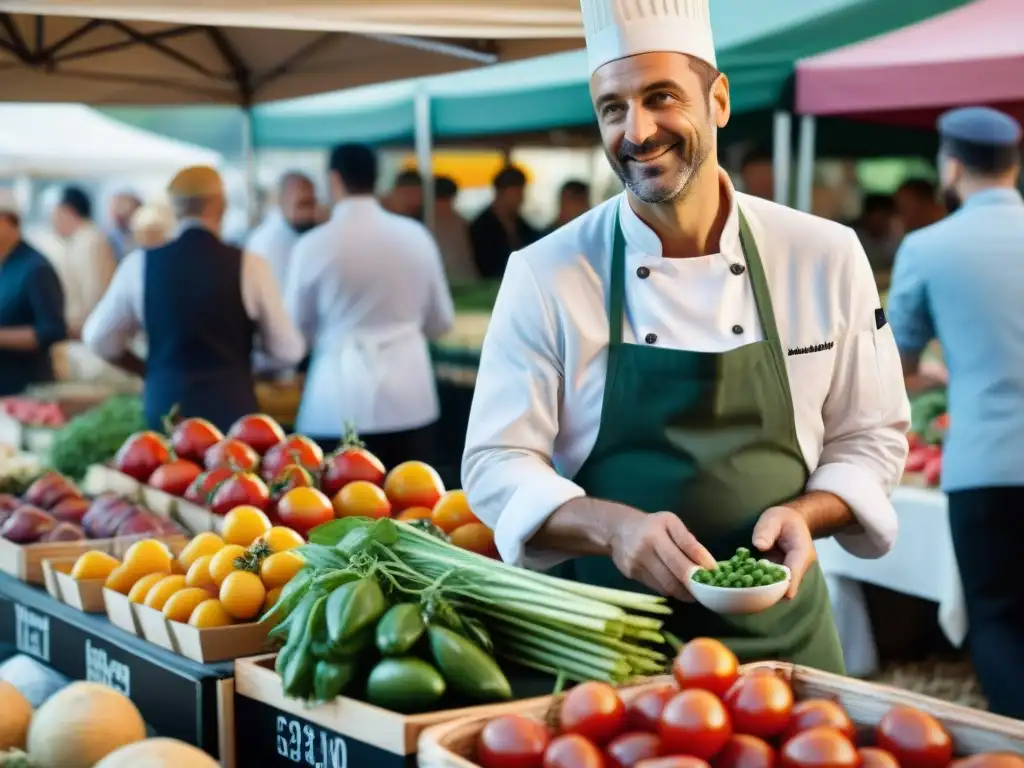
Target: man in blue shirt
(31, 309)
(961, 281)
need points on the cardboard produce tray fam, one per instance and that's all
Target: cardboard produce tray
(452, 744)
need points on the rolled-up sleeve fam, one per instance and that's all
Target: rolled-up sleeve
(907, 305)
(866, 417)
(47, 299)
(507, 467)
(115, 321)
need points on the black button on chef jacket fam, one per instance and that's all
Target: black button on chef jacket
(30, 295)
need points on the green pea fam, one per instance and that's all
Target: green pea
(765, 580)
(757, 573)
(747, 580)
(743, 553)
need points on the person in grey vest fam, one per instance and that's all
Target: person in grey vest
(961, 281)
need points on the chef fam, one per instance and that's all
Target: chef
(367, 289)
(296, 214)
(200, 303)
(961, 281)
(685, 369)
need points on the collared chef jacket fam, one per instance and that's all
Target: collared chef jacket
(367, 289)
(537, 405)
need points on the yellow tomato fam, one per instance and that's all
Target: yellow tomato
(242, 595)
(272, 597)
(161, 592)
(476, 537)
(223, 563)
(148, 556)
(209, 613)
(278, 569)
(243, 525)
(452, 511)
(281, 539)
(121, 579)
(141, 588)
(199, 574)
(94, 565)
(206, 543)
(414, 513)
(180, 605)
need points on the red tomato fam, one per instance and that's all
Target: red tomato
(644, 710)
(990, 760)
(295, 450)
(192, 438)
(258, 431)
(681, 761)
(933, 471)
(512, 741)
(706, 663)
(760, 705)
(201, 490)
(349, 463)
(141, 454)
(304, 509)
(593, 710)
(694, 722)
(819, 748)
(743, 751)
(873, 757)
(175, 476)
(627, 750)
(232, 453)
(242, 488)
(573, 751)
(915, 739)
(812, 713)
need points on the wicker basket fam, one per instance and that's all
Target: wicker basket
(452, 744)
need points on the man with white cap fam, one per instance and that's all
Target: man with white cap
(200, 303)
(685, 370)
(961, 280)
(31, 307)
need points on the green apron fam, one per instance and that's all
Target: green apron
(710, 437)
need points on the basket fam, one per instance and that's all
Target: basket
(452, 744)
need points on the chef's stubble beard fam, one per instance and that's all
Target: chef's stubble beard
(686, 174)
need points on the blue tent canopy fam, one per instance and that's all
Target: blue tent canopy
(758, 43)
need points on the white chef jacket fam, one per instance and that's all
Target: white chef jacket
(367, 289)
(537, 405)
(114, 325)
(274, 239)
(86, 268)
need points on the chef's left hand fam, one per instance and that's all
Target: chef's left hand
(785, 531)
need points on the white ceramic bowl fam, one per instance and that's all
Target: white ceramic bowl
(738, 600)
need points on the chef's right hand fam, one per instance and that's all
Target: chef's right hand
(658, 551)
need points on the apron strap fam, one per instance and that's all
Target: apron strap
(758, 282)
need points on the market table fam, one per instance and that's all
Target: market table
(921, 564)
(178, 698)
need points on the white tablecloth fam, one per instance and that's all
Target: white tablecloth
(921, 564)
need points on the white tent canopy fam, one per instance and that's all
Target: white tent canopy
(244, 52)
(73, 141)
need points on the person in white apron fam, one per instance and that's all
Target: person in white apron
(367, 289)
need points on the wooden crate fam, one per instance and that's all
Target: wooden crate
(452, 744)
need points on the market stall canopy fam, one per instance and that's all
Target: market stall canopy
(758, 43)
(73, 141)
(971, 55)
(119, 52)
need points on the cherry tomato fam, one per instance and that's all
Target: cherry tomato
(595, 711)
(814, 712)
(915, 739)
(573, 751)
(681, 761)
(708, 664)
(760, 705)
(627, 750)
(512, 741)
(694, 722)
(743, 751)
(820, 747)
(990, 760)
(644, 710)
(873, 757)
